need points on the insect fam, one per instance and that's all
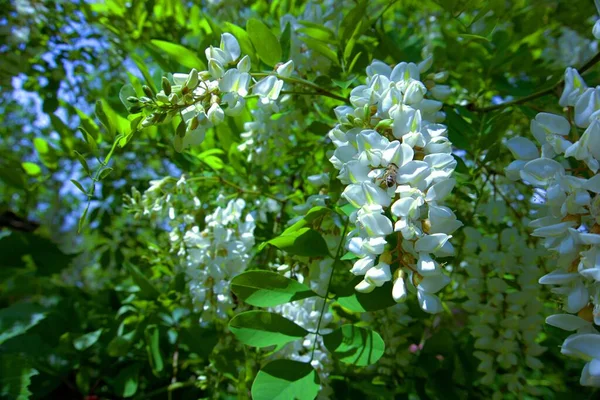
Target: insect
(389, 176)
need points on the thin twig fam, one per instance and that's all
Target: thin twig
(337, 258)
(236, 187)
(589, 64)
(299, 81)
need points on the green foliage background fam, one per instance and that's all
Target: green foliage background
(103, 313)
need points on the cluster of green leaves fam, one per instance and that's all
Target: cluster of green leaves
(349, 343)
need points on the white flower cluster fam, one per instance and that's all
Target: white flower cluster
(327, 13)
(215, 255)
(505, 314)
(395, 156)
(566, 173)
(268, 135)
(177, 204)
(569, 49)
(211, 256)
(306, 313)
(204, 98)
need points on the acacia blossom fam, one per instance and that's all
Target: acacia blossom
(395, 158)
(209, 255)
(505, 311)
(569, 227)
(204, 98)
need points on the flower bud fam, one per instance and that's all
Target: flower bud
(181, 129)
(135, 109)
(399, 292)
(148, 91)
(166, 85)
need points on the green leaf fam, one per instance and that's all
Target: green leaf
(83, 379)
(46, 153)
(181, 54)
(460, 132)
(354, 61)
(480, 14)
(285, 40)
(199, 340)
(351, 21)
(474, 37)
(147, 289)
(66, 135)
(214, 162)
(141, 64)
(31, 168)
(349, 47)
(153, 349)
(305, 242)
(87, 340)
(349, 256)
(265, 42)
(286, 379)
(378, 299)
(126, 92)
(105, 172)
(83, 163)
(344, 84)
(264, 329)
(18, 318)
(104, 120)
(119, 345)
(15, 377)
(89, 139)
(79, 186)
(316, 31)
(312, 215)
(88, 124)
(126, 382)
(348, 209)
(81, 221)
(321, 47)
(48, 258)
(355, 345)
(268, 289)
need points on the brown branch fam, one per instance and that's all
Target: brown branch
(589, 64)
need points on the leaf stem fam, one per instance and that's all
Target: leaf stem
(335, 261)
(299, 81)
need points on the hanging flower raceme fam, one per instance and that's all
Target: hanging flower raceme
(567, 173)
(204, 99)
(209, 256)
(505, 311)
(395, 158)
(215, 255)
